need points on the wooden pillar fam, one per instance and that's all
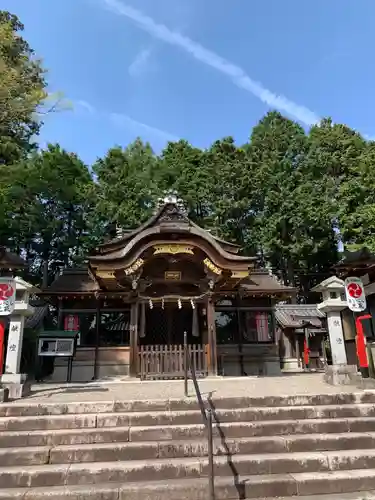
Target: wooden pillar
(240, 333)
(133, 360)
(211, 326)
(276, 339)
(142, 321)
(298, 353)
(324, 352)
(60, 322)
(97, 339)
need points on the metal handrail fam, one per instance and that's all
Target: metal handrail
(206, 415)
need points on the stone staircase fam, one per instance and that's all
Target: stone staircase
(267, 447)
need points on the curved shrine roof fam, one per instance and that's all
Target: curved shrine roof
(168, 219)
(169, 212)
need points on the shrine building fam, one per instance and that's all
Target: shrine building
(143, 291)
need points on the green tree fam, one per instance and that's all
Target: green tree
(47, 200)
(22, 91)
(232, 194)
(357, 202)
(334, 167)
(126, 192)
(276, 151)
(184, 169)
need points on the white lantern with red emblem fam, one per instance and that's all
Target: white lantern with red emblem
(7, 296)
(355, 294)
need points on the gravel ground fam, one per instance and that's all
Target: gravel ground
(219, 387)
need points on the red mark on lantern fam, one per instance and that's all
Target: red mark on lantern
(354, 290)
(6, 291)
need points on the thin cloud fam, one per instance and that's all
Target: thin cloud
(86, 106)
(140, 64)
(125, 121)
(237, 74)
(122, 120)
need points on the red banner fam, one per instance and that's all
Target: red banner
(306, 353)
(361, 341)
(71, 323)
(2, 333)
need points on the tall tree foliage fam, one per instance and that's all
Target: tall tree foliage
(276, 150)
(126, 192)
(182, 168)
(47, 200)
(332, 172)
(232, 194)
(357, 202)
(22, 90)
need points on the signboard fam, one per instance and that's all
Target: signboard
(7, 296)
(355, 294)
(56, 347)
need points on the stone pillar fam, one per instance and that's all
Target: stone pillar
(336, 337)
(12, 378)
(288, 361)
(15, 339)
(287, 345)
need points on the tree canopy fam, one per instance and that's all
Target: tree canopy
(22, 90)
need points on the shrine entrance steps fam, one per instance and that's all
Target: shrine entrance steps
(265, 448)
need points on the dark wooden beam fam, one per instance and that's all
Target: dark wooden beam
(133, 358)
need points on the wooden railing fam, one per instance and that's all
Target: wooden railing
(167, 361)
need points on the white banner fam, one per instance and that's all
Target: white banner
(355, 294)
(7, 296)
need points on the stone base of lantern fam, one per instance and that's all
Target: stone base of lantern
(290, 365)
(16, 384)
(342, 375)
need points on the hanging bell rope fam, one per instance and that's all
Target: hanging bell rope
(150, 303)
(192, 303)
(179, 304)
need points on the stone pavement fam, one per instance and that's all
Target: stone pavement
(219, 387)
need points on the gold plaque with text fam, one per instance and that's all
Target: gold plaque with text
(173, 249)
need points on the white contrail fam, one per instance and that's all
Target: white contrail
(126, 121)
(206, 56)
(86, 106)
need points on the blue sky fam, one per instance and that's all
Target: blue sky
(199, 69)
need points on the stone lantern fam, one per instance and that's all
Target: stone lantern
(12, 379)
(9, 264)
(334, 301)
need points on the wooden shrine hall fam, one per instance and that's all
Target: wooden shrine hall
(143, 290)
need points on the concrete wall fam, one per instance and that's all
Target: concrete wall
(112, 361)
(257, 359)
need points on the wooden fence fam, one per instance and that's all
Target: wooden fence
(167, 361)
